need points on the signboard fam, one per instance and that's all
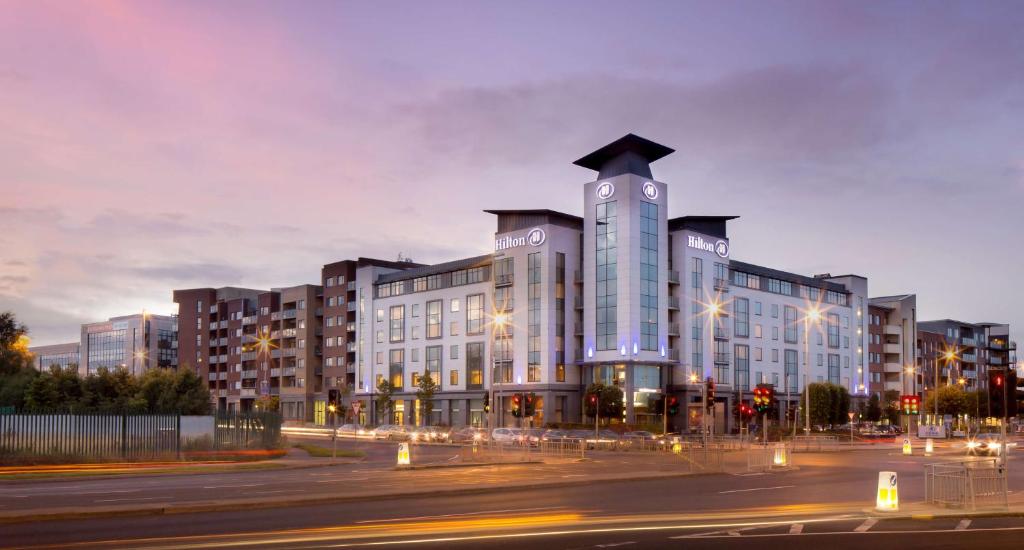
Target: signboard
(356, 405)
(931, 431)
(264, 387)
(888, 494)
(534, 237)
(403, 454)
(719, 247)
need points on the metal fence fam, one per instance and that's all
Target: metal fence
(814, 443)
(967, 484)
(774, 456)
(89, 435)
(505, 452)
(129, 436)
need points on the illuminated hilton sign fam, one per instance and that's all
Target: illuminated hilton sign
(719, 247)
(535, 237)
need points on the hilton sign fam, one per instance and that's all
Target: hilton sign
(535, 237)
(719, 247)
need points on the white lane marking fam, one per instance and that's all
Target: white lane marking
(796, 529)
(755, 489)
(342, 479)
(614, 544)
(103, 492)
(463, 514)
(964, 523)
(125, 499)
(733, 533)
(278, 491)
(230, 486)
(575, 475)
(868, 524)
(750, 474)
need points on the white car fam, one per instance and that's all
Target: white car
(504, 435)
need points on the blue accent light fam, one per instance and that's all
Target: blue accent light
(622, 350)
(590, 352)
(636, 348)
(663, 351)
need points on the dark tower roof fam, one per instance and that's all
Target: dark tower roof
(630, 154)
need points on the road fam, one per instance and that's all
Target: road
(819, 496)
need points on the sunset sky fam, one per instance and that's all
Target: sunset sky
(148, 146)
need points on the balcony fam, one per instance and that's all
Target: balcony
(721, 333)
(249, 356)
(969, 358)
(721, 285)
(995, 360)
(223, 324)
(249, 374)
(222, 393)
(578, 329)
(222, 376)
(673, 277)
(351, 286)
(970, 342)
(174, 344)
(212, 376)
(286, 314)
(247, 392)
(250, 320)
(577, 277)
(350, 368)
(288, 371)
(213, 309)
(350, 327)
(577, 302)
(275, 372)
(722, 358)
(894, 368)
(673, 329)
(350, 347)
(503, 280)
(351, 306)
(892, 329)
(578, 355)
(673, 302)
(673, 354)
(892, 348)
(288, 333)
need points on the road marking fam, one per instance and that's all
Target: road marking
(963, 524)
(750, 474)
(463, 514)
(575, 475)
(614, 544)
(796, 529)
(124, 499)
(278, 491)
(104, 492)
(755, 489)
(340, 479)
(231, 486)
(868, 524)
(733, 533)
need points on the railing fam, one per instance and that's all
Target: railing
(673, 277)
(89, 435)
(764, 458)
(577, 277)
(966, 484)
(503, 280)
(814, 443)
(722, 358)
(673, 302)
(577, 302)
(721, 285)
(246, 374)
(673, 329)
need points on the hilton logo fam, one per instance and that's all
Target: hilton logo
(535, 237)
(605, 190)
(650, 190)
(719, 247)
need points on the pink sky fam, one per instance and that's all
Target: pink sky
(147, 146)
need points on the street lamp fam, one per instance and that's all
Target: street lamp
(499, 320)
(949, 356)
(811, 314)
(334, 431)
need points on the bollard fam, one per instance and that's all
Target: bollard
(929, 447)
(780, 458)
(403, 454)
(677, 448)
(907, 449)
(888, 495)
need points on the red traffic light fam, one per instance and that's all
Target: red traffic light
(999, 380)
(515, 398)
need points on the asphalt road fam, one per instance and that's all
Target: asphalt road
(648, 511)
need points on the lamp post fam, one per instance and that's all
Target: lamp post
(334, 432)
(713, 309)
(812, 314)
(498, 320)
(950, 356)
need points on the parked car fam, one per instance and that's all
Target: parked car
(429, 434)
(504, 435)
(469, 434)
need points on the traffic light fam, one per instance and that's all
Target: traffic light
(332, 398)
(910, 404)
(996, 379)
(487, 402)
(744, 411)
(673, 405)
(517, 405)
(709, 395)
(764, 398)
(530, 404)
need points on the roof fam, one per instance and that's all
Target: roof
(786, 276)
(630, 154)
(709, 225)
(427, 270)
(513, 220)
(894, 298)
(539, 212)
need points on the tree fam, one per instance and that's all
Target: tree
(268, 403)
(42, 394)
(874, 409)
(610, 398)
(952, 400)
(830, 403)
(425, 394)
(383, 402)
(14, 354)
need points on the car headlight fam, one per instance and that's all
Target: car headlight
(972, 444)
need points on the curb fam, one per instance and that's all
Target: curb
(464, 465)
(278, 467)
(312, 501)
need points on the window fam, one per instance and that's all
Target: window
(415, 332)
(454, 354)
(434, 319)
(697, 308)
(606, 288)
(380, 336)
(757, 308)
(475, 314)
(415, 355)
(789, 314)
(791, 375)
(775, 311)
(434, 354)
(380, 315)
(397, 324)
(833, 330)
(453, 377)
(775, 333)
(648, 276)
(503, 270)
(533, 304)
(758, 354)
(775, 355)
(757, 331)
(742, 359)
(474, 365)
(330, 281)
(741, 309)
(455, 305)
(833, 368)
(415, 310)
(302, 304)
(559, 373)
(396, 368)
(380, 357)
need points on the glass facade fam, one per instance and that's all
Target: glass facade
(607, 276)
(742, 358)
(106, 349)
(697, 336)
(648, 276)
(533, 288)
(792, 380)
